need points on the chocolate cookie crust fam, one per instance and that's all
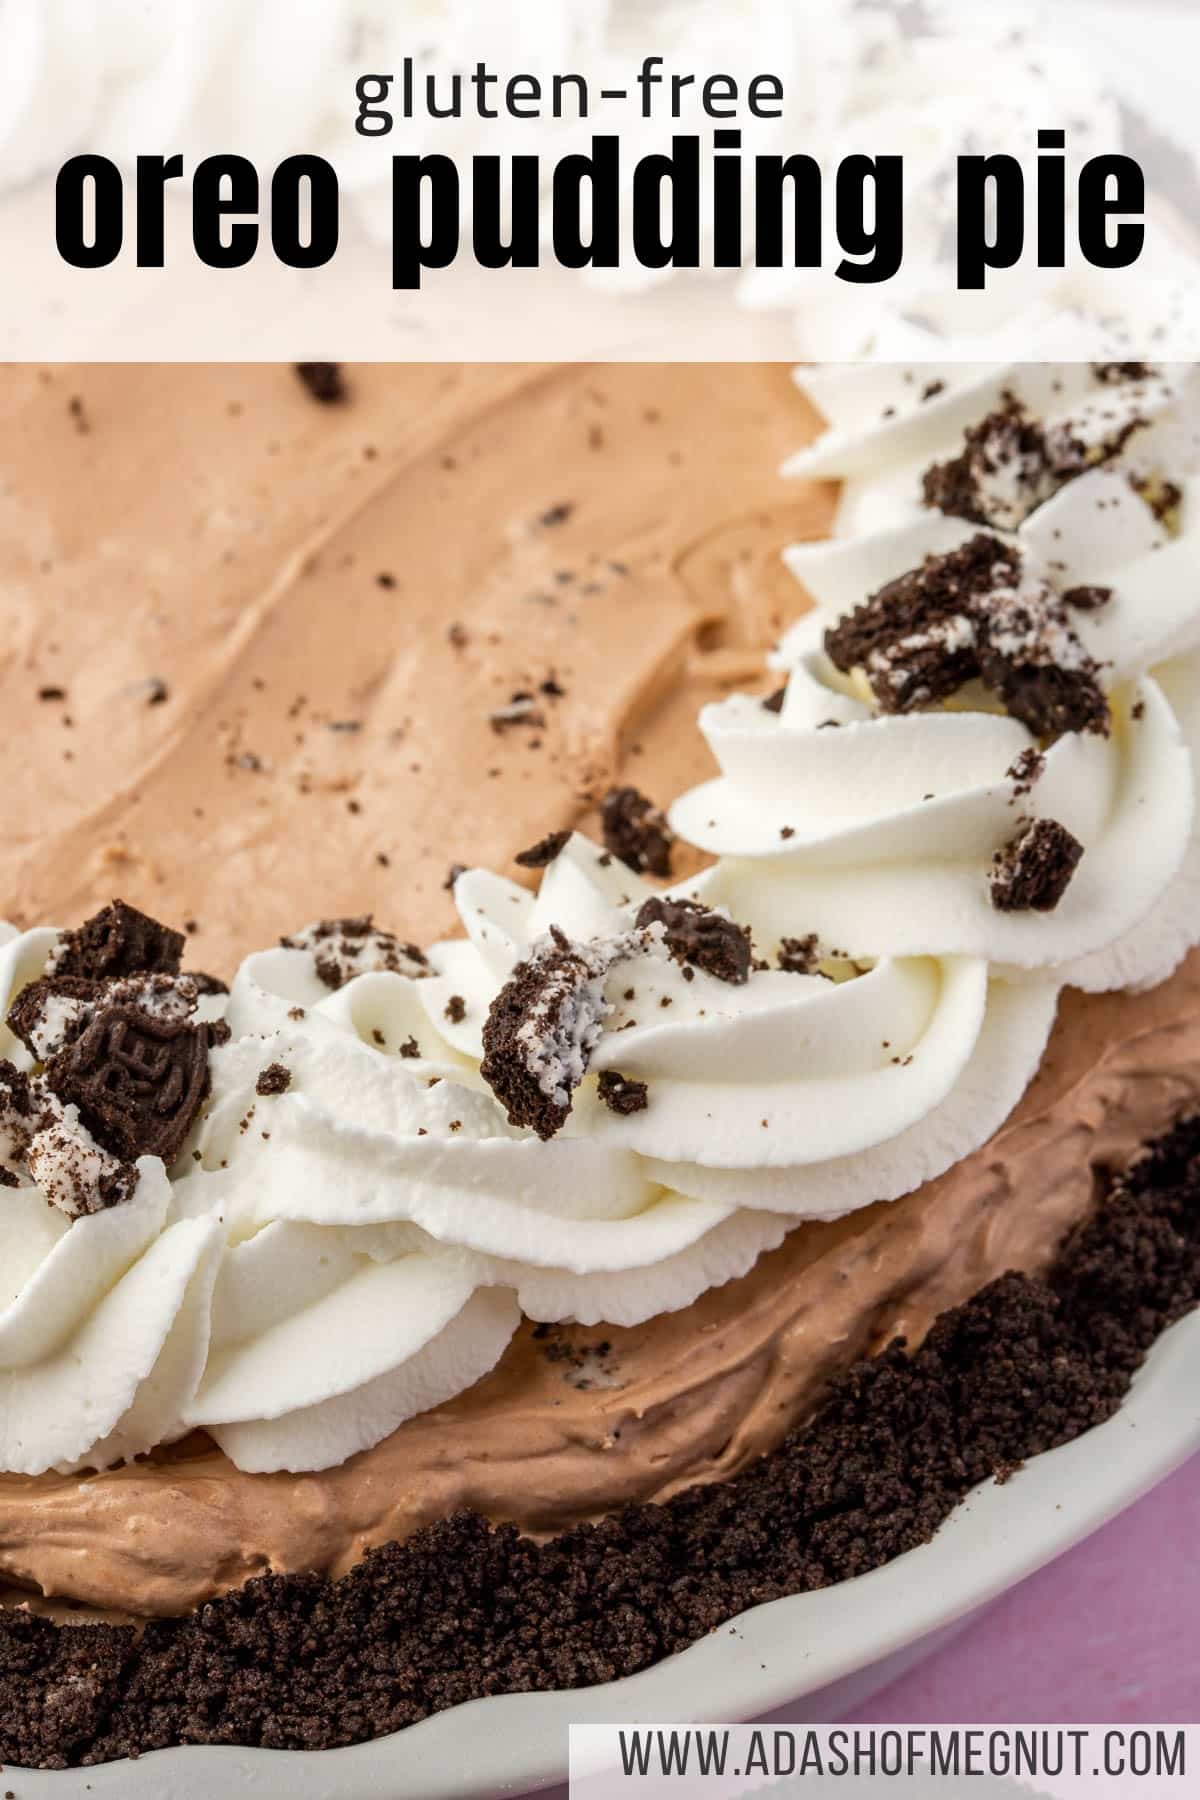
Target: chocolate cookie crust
(462, 1610)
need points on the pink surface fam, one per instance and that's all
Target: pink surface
(1109, 1632)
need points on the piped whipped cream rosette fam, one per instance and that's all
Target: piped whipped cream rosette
(988, 737)
(104, 1291)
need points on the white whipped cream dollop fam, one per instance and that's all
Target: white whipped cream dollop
(878, 830)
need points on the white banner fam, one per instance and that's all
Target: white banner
(681, 179)
(895, 1762)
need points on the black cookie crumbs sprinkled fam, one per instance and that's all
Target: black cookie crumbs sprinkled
(706, 940)
(636, 831)
(1087, 599)
(621, 1094)
(456, 1009)
(774, 702)
(275, 1079)
(1026, 769)
(799, 955)
(1034, 871)
(324, 381)
(463, 1608)
(543, 853)
(410, 1048)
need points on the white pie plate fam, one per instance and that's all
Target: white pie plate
(829, 1649)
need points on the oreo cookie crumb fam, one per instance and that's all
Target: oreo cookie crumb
(543, 853)
(1087, 599)
(704, 939)
(621, 1094)
(456, 1009)
(452, 875)
(344, 948)
(410, 1048)
(799, 955)
(1034, 871)
(1025, 770)
(1011, 463)
(275, 1079)
(324, 381)
(118, 940)
(973, 613)
(636, 831)
(543, 1026)
(774, 702)
(463, 1608)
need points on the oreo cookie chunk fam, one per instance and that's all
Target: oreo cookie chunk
(138, 1081)
(543, 1026)
(20, 1107)
(344, 948)
(975, 613)
(324, 381)
(700, 938)
(622, 1094)
(1011, 463)
(52, 1011)
(543, 853)
(636, 831)
(799, 955)
(48, 1012)
(118, 940)
(1034, 871)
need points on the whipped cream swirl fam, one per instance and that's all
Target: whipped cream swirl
(877, 830)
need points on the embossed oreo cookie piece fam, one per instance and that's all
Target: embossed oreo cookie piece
(138, 1081)
(118, 940)
(52, 1011)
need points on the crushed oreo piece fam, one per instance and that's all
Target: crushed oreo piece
(324, 381)
(1112, 374)
(636, 831)
(1012, 463)
(50, 1012)
(118, 940)
(1087, 599)
(774, 702)
(543, 853)
(974, 613)
(704, 939)
(1034, 871)
(138, 1081)
(621, 1094)
(543, 1026)
(73, 1172)
(799, 955)
(452, 875)
(1025, 769)
(344, 948)
(1163, 497)
(522, 709)
(456, 1009)
(206, 984)
(410, 1048)
(275, 1079)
